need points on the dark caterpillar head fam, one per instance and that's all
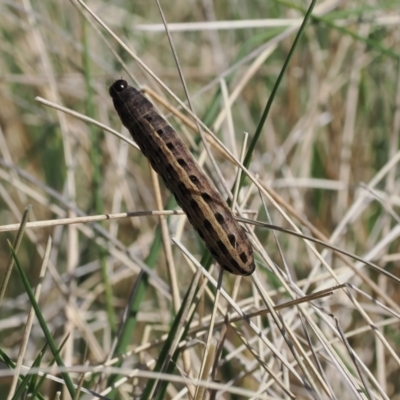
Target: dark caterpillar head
(117, 87)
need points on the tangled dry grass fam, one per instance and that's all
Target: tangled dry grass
(94, 306)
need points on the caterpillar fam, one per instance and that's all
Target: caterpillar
(169, 156)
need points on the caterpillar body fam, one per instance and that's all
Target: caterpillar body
(169, 156)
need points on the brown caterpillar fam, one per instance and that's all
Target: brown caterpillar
(205, 208)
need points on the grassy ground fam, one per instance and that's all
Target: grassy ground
(120, 308)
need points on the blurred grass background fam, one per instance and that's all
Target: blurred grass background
(333, 129)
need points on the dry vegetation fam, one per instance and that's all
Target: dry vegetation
(118, 301)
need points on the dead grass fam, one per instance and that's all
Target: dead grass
(121, 296)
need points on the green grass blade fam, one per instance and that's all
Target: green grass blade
(163, 361)
(30, 381)
(43, 325)
(268, 106)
